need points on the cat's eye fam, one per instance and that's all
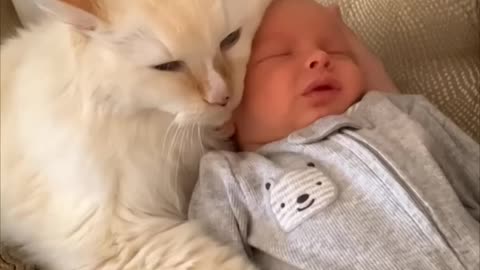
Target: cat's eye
(230, 40)
(170, 66)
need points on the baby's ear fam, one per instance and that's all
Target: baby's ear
(79, 13)
(335, 9)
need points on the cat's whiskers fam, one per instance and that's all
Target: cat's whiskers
(167, 133)
(172, 165)
(175, 186)
(199, 131)
(192, 131)
(173, 142)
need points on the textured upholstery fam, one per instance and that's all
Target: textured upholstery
(429, 47)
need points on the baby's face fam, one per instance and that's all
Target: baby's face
(301, 69)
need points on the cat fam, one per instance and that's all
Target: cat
(104, 107)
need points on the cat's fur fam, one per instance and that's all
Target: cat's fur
(89, 179)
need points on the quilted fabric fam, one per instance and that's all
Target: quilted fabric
(429, 47)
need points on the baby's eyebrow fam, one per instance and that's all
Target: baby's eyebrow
(264, 41)
(269, 45)
(270, 35)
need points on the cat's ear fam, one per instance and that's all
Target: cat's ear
(78, 13)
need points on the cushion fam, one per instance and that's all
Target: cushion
(429, 47)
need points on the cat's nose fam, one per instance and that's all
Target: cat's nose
(303, 198)
(219, 98)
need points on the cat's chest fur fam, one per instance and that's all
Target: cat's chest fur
(74, 159)
(132, 163)
(110, 174)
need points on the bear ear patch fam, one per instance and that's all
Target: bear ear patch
(311, 164)
(268, 186)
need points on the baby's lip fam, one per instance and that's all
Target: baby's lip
(322, 84)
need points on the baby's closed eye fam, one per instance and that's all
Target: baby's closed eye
(272, 56)
(339, 50)
(340, 53)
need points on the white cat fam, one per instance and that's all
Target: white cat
(90, 178)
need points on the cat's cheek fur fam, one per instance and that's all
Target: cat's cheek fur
(238, 56)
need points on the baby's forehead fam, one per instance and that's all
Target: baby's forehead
(291, 18)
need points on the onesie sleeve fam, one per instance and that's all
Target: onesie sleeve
(456, 153)
(217, 202)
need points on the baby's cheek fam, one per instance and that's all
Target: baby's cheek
(260, 84)
(253, 78)
(276, 81)
(359, 84)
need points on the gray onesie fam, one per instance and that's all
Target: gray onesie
(391, 184)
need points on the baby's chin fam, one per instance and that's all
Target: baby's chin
(335, 107)
(310, 115)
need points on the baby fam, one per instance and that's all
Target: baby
(333, 176)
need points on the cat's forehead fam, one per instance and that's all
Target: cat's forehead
(179, 24)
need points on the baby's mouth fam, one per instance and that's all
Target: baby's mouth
(319, 86)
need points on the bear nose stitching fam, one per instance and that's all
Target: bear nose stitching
(303, 198)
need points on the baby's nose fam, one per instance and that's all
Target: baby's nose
(318, 60)
(303, 198)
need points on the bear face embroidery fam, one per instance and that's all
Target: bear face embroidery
(300, 194)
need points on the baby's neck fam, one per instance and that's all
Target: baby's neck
(249, 147)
